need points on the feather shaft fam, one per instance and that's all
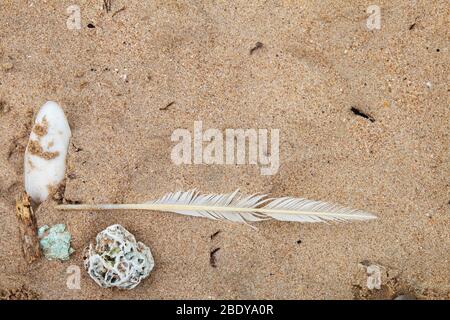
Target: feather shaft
(189, 207)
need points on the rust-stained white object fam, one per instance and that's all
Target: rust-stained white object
(45, 156)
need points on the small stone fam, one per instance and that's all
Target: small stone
(117, 260)
(80, 73)
(7, 66)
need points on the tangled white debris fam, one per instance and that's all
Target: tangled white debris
(117, 260)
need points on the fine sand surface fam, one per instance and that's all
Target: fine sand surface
(317, 61)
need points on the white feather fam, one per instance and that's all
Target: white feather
(237, 207)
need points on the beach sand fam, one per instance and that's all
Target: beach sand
(114, 78)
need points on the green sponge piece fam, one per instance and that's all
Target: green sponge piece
(55, 242)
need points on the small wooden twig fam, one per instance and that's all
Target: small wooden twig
(167, 106)
(257, 46)
(212, 258)
(107, 5)
(116, 12)
(27, 228)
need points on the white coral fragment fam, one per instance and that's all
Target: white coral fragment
(45, 156)
(117, 260)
